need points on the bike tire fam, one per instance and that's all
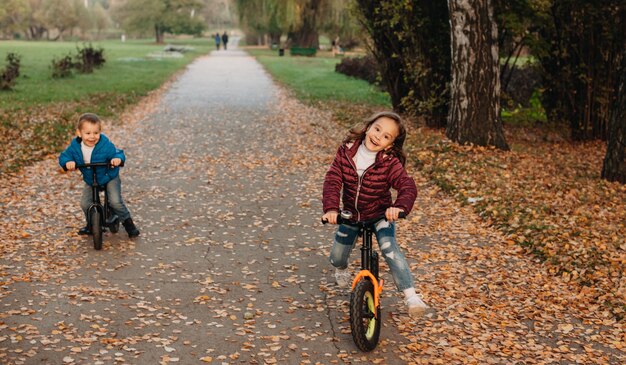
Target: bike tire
(96, 228)
(364, 325)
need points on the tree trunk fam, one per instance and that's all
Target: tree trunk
(474, 114)
(158, 34)
(307, 35)
(614, 166)
(437, 61)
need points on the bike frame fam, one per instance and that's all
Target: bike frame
(95, 194)
(369, 257)
(369, 262)
(365, 312)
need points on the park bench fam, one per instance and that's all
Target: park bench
(302, 51)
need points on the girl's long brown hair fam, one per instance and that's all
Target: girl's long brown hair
(357, 133)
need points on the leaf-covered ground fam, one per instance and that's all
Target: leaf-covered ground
(30, 134)
(546, 197)
(493, 300)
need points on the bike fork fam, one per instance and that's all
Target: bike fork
(369, 266)
(369, 257)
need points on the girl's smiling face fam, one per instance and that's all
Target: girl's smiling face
(89, 133)
(381, 134)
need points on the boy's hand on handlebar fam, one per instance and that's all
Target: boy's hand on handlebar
(70, 165)
(330, 217)
(393, 214)
(116, 161)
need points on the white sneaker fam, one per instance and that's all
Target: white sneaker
(342, 277)
(416, 305)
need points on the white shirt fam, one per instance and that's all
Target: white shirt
(86, 150)
(364, 158)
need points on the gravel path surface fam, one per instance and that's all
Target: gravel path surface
(231, 263)
(223, 178)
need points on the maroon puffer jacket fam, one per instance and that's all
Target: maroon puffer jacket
(371, 196)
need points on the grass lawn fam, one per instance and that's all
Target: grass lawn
(314, 80)
(37, 117)
(128, 70)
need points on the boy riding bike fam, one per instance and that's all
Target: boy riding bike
(91, 146)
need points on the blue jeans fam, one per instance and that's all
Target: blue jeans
(114, 190)
(345, 239)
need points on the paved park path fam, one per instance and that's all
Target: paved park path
(224, 180)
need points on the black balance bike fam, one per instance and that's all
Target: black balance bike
(100, 215)
(365, 313)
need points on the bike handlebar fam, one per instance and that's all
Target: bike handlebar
(96, 164)
(341, 220)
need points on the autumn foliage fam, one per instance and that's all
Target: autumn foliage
(545, 196)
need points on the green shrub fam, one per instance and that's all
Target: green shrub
(89, 58)
(9, 75)
(62, 67)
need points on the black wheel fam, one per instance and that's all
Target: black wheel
(96, 228)
(364, 324)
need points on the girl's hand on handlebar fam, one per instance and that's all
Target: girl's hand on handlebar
(70, 165)
(116, 161)
(330, 217)
(393, 214)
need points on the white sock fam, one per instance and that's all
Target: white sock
(409, 293)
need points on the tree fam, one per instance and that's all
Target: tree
(339, 20)
(411, 43)
(161, 16)
(100, 19)
(614, 166)
(36, 20)
(61, 15)
(219, 13)
(265, 18)
(13, 15)
(578, 43)
(516, 19)
(474, 115)
(300, 19)
(306, 32)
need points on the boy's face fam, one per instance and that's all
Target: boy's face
(89, 133)
(381, 134)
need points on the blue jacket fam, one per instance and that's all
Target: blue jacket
(104, 151)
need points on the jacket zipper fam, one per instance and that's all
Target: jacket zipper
(358, 187)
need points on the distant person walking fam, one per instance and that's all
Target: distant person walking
(217, 41)
(225, 40)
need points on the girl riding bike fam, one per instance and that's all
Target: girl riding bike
(366, 167)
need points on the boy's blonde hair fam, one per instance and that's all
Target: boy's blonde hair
(88, 118)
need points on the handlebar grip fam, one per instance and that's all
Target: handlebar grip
(340, 220)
